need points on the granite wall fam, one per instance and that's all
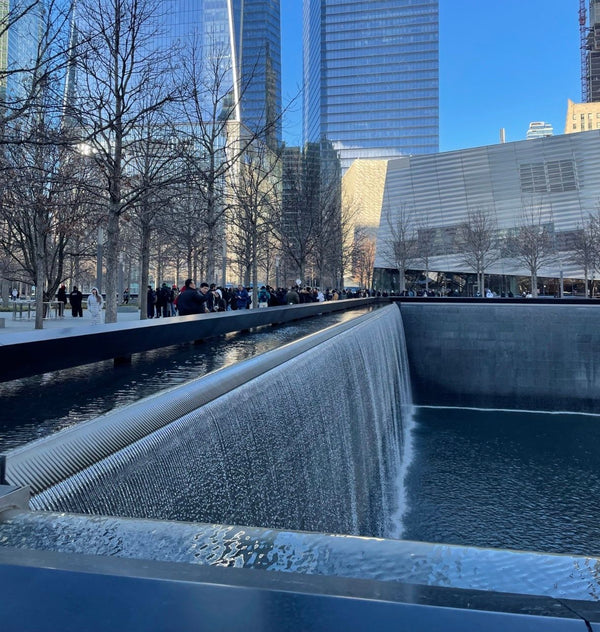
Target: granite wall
(527, 356)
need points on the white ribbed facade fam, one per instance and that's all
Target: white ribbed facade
(559, 176)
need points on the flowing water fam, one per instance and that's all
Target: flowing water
(313, 444)
(326, 444)
(41, 405)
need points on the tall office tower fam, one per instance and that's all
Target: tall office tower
(371, 77)
(590, 48)
(18, 48)
(248, 33)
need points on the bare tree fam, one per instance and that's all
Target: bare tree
(363, 256)
(255, 211)
(334, 222)
(532, 243)
(33, 84)
(584, 248)
(43, 30)
(425, 246)
(216, 140)
(42, 206)
(300, 217)
(155, 174)
(478, 242)
(400, 247)
(119, 66)
(313, 232)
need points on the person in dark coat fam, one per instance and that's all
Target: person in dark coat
(162, 301)
(61, 296)
(292, 297)
(75, 298)
(190, 301)
(242, 298)
(150, 302)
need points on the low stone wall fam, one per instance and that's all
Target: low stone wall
(41, 351)
(527, 356)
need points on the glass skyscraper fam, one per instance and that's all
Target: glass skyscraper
(248, 33)
(18, 47)
(371, 77)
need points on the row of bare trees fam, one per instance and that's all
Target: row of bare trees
(531, 244)
(111, 141)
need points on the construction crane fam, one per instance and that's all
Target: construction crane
(583, 45)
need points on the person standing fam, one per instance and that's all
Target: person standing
(242, 298)
(173, 300)
(61, 297)
(263, 297)
(150, 302)
(190, 301)
(94, 305)
(292, 297)
(75, 298)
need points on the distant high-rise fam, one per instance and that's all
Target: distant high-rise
(539, 129)
(248, 32)
(18, 48)
(371, 77)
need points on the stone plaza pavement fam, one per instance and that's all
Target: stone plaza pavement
(24, 324)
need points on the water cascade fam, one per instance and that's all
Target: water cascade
(308, 440)
(312, 443)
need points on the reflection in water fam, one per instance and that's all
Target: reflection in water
(505, 479)
(40, 405)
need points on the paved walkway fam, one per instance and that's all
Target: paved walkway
(24, 324)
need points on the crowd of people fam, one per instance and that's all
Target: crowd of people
(189, 299)
(173, 301)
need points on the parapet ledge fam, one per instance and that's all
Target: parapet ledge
(12, 498)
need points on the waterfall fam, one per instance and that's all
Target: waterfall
(314, 443)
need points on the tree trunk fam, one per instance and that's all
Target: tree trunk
(254, 271)
(144, 271)
(6, 289)
(112, 263)
(39, 289)
(534, 291)
(39, 270)
(402, 281)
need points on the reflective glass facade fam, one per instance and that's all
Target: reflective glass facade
(18, 45)
(249, 32)
(371, 76)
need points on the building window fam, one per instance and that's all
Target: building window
(533, 178)
(555, 176)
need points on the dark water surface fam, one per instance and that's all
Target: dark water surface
(38, 406)
(503, 479)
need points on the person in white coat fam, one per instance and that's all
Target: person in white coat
(94, 305)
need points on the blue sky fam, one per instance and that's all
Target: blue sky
(502, 64)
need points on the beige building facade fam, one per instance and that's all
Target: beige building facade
(582, 117)
(362, 191)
